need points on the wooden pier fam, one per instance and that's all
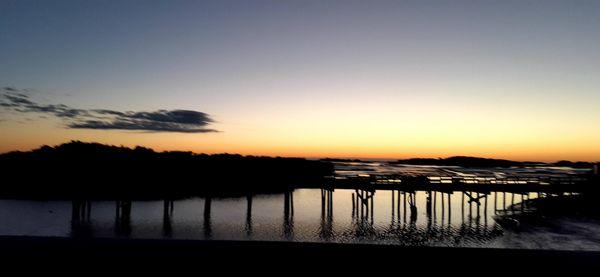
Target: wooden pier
(575, 184)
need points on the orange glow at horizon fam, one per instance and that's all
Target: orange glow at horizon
(334, 141)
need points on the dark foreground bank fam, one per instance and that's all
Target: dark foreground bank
(268, 257)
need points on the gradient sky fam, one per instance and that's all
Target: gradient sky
(372, 79)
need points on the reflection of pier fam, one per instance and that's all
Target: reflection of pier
(167, 214)
(363, 210)
(438, 207)
(288, 214)
(81, 211)
(123, 217)
(404, 206)
(473, 200)
(207, 222)
(80, 217)
(248, 226)
(504, 203)
(445, 204)
(81, 214)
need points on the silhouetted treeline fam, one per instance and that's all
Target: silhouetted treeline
(93, 170)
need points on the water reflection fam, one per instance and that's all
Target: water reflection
(123, 218)
(168, 206)
(288, 215)
(442, 218)
(81, 211)
(248, 228)
(326, 229)
(207, 223)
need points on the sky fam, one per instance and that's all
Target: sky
(361, 79)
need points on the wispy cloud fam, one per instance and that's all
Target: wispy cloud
(182, 121)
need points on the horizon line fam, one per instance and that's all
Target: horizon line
(307, 156)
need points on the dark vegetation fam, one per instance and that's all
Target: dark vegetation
(92, 170)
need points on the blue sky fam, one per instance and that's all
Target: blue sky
(307, 76)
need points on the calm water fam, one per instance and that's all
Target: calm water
(388, 217)
(384, 221)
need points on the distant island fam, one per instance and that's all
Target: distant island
(93, 170)
(465, 161)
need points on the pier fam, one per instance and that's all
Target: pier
(481, 184)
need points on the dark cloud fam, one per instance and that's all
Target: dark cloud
(183, 121)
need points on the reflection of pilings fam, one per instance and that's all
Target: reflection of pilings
(326, 202)
(512, 207)
(428, 208)
(81, 211)
(323, 203)
(354, 206)
(449, 208)
(512, 201)
(362, 207)
(365, 200)
(477, 200)
(404, 206)
(80, 218)
(470, 208)
(404, 199)
(412, 201)
(473, 199)
(445, 206)
(207, 223)
(485, 211)
(434, 205)
(167, 213)
(249, 215)
(398, 206)
(288, 206)
(470, 216)
(478, 205)
(288, 214)
(485, 206)
(522, 203)
(428, 205)
(168, 207)
(326, 213)
(495, 202)
(462, 206)
(88, 210)
(372, 201)
(123, 217)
